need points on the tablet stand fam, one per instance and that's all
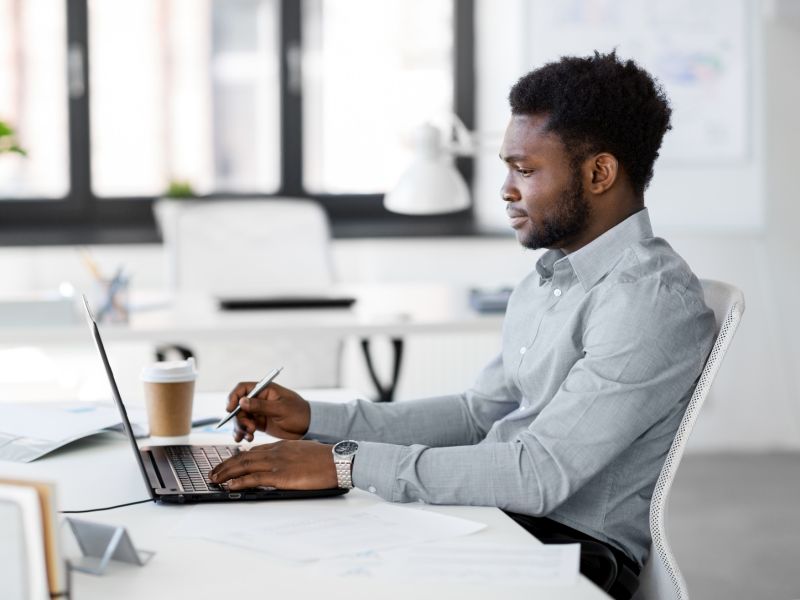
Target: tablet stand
(102, 543)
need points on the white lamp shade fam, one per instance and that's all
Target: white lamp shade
(430, 186)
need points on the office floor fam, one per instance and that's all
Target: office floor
(734, 521)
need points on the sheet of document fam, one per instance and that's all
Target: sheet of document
(29, 430)
(53, 421)
(311, 533)
(494, 564)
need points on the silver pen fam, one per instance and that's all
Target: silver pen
(253, 393)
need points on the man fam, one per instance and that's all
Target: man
(567, 429)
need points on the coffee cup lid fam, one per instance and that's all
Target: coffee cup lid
(171, 371)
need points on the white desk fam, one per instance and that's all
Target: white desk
(101, 471)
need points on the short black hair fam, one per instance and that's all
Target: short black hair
(599, 104)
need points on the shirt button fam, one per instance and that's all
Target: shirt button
(556, 292)
(523, 350)
(371, 489)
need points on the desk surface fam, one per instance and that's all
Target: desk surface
(391, 309)
(101, 471)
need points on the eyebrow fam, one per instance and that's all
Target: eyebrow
(512, 158)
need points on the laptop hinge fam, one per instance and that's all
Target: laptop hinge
(152, 473)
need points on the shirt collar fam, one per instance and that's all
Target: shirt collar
(599, 256)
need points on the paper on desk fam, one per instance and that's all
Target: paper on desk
(31, 430)
(524, 565)
(314, 533)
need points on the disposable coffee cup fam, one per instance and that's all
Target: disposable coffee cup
(168, 392)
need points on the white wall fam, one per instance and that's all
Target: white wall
(754, 403)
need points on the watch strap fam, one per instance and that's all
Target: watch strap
(344, 472)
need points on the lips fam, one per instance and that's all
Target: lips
(517, 218)
(517, 222)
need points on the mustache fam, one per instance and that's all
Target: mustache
(515, 212)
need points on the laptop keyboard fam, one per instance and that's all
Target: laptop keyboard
(192, 464)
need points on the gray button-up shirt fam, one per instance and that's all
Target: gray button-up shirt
(573, 420)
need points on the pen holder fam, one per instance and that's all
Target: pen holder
(111, 299)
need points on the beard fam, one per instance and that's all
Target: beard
(569, 219)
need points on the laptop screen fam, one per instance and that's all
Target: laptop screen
(126, 424)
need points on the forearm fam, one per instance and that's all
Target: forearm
(501, 475)
(442, 421)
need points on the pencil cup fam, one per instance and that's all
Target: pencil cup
(111, 299)
(169, 391)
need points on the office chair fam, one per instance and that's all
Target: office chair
(250, 247)
(661, 579)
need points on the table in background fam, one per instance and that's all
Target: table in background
(393, 310)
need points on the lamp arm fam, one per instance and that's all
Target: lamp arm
(460, 141)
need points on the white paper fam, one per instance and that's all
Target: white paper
(52, 421)
(453, 562)
(29, 430)
(315, 533)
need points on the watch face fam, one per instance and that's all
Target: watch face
(346, 448)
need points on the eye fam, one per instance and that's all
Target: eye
(524, 172)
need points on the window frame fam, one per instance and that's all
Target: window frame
(82, 217)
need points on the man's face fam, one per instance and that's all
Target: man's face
(543, 190)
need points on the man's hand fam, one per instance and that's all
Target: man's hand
(276, 410)
(289, 465)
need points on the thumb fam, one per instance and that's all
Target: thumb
(256, 406)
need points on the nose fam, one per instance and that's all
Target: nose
(508, 191)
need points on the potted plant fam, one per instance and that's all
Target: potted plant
(8, 140)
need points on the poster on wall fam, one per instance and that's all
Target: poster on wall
(698, 50)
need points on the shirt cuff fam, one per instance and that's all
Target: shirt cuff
(328, 422)
(375, 468)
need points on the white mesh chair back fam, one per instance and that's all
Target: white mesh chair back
(661, 578)
(252, 247)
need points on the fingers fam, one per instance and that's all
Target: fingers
(249, 481)
(257, 405)
(242, 464)
(240, 391)
(244, 427)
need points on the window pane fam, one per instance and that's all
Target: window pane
(373, 72)
(33, 97)
(184, 90)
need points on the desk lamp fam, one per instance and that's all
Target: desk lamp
(432, 185)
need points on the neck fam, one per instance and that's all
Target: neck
(600, 224)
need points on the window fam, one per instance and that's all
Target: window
(33, 96)
(198, 102)
(373, 72)
(114, 100)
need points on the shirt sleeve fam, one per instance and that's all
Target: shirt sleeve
(455, 420)
(643, 351)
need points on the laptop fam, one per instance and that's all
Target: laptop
(179, 473)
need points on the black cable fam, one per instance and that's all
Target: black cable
(88, 510)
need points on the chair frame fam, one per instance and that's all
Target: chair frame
(661, 569)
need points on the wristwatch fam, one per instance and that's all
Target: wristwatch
(343, 454)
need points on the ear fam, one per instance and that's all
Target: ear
(603, 171)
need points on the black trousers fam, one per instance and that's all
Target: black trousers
(596, 569)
